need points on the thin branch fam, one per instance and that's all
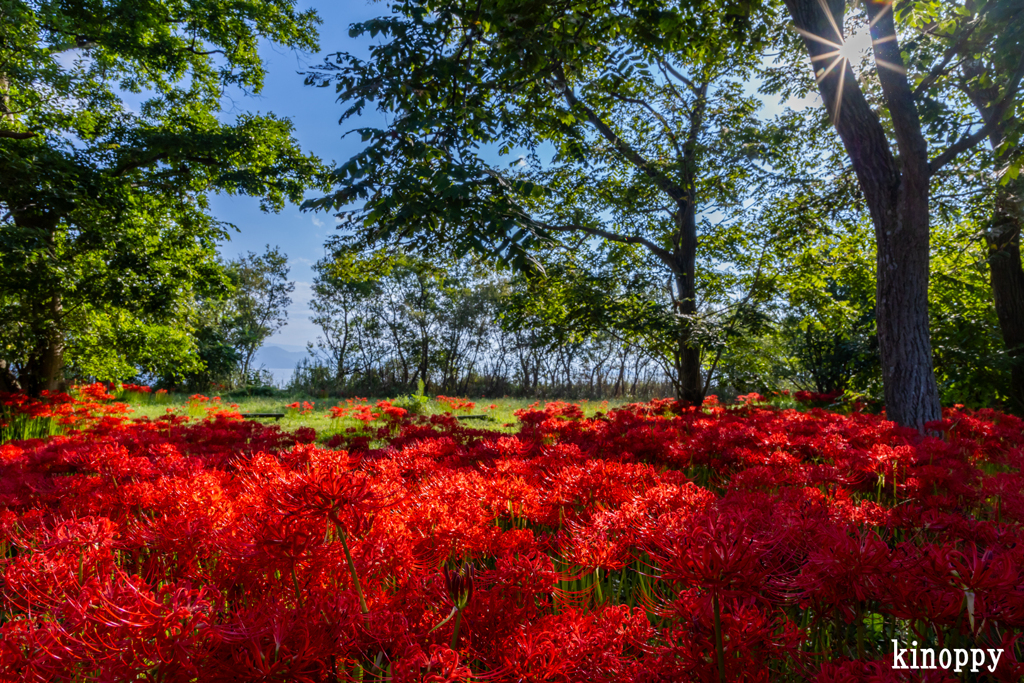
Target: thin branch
(664, 184)
(12, 135)
(735, 317)
(668, 68)
(655, 114)
(995, 118)
(662, 254)
(132, 165)
(939, 69)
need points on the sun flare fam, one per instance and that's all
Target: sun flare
(845, 51)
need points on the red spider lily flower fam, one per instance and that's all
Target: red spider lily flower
(725, 555)
(845, 568)
(459, 583)
(167, 547)
(336, 495)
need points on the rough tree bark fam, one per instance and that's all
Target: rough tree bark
(896, 192)
(689, 380)
(1007, 277)
(43, 370)
(1002, 237)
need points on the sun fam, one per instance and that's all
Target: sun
(845, 50)
(856, 46)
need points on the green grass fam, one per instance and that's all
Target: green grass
(500, 418)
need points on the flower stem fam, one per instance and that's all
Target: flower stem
(455, 633)
(352, 569)
(719, 647)
(295, 582)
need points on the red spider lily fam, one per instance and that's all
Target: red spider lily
(845, 568)
(392, 414)
(740, 543)
(459, 583)
(728, 556)
(811, 398)
(454, 405)
(341, 496)
(302, 408)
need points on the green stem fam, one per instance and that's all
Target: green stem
(458, 623)
(295, 582)
(352, 569)
(719, 647)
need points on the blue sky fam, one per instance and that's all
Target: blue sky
(314, 113)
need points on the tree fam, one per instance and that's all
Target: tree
(103, 215)
(341, 287)
(641, 104)
(975, 49)
(259, 303)
(895, 183)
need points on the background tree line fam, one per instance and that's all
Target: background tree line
(392, 323)
(389, 321)
(556, 186)
(633, 125)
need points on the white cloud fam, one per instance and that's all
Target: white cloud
(317, 222)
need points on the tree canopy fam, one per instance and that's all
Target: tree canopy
(111, 137)
(626, 120)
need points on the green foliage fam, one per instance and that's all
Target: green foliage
(490, 75)
(635, 140)
(971, 364)
(258, 306)
(104, 228)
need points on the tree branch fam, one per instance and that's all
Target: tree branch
(995, 117)
(940, 68)
(625, 149)
(132, 165)
(662, 255)
(655, 114)
(12, 135)
(668, 68)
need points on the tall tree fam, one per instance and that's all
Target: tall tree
(341, 287)
(895, 180)
(259, 303)
(89, 178)
(639, 104)
(975, 48)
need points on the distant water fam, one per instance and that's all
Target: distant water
(279, 362)
(281, 376)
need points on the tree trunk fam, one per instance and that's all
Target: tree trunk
(1007, 277)
(44, 369)
(896, 194)
(690, 388)
(689, 382)
(1002, 237)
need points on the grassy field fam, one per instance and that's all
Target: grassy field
(496, 414)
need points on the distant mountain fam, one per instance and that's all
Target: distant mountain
(272, 357)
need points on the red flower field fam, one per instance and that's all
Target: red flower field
(649, 544)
